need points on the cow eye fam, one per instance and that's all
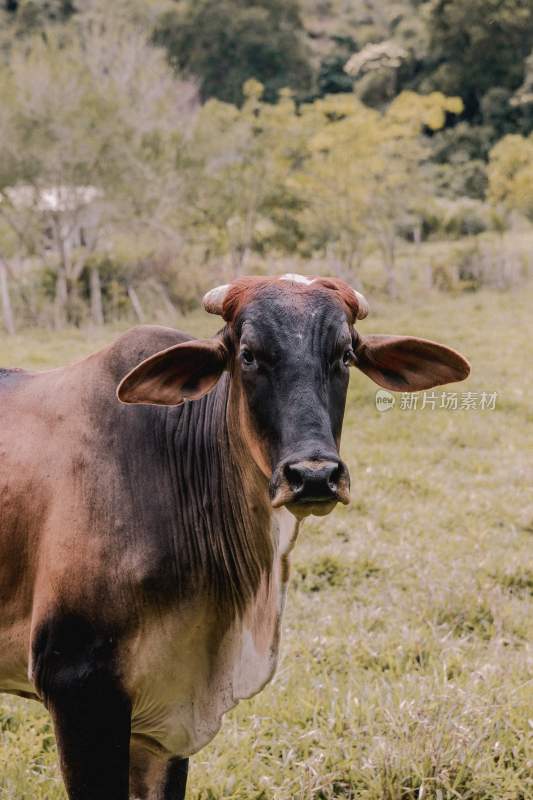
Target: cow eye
(247, 356)
(347, 358)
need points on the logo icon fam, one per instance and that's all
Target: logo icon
(384, 400)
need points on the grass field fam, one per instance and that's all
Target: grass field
(406, 667)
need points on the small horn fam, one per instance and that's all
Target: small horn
(213, 300)
(363, 308)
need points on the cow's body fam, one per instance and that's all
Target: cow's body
(82, 535)
(144, 544)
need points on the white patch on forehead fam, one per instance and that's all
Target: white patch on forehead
(295, 278)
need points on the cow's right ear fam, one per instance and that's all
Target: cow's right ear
(185, 371)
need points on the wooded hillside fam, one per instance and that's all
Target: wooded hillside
(150, 147)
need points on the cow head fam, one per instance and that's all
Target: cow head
(288, 346)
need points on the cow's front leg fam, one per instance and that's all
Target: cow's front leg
(75, 672)
(175, 782)
(153, 775)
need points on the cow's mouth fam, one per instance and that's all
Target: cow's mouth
(315, 509)
(313, 486)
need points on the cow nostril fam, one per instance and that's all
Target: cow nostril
(313, 480)
(294, 478)
(334, 477)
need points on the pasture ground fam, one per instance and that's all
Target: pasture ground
(405, 671)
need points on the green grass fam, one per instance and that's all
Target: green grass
(406, 667)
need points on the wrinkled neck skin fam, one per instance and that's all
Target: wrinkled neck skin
(226, 520)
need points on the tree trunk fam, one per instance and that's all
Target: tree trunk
(7, 310)
(64, 275)
(97, 312)
(167, 302)
(60, 301)
(136, 303)
(239, 258)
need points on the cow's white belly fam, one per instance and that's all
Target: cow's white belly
(186, 670)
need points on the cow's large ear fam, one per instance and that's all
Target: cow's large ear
(186, 371)
(407, 364)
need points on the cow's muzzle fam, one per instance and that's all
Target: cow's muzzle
(311, 486)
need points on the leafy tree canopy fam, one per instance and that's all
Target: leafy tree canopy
(223, 43)
(477, 45)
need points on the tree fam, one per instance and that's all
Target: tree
(93, 123)
(239, 189)
(333, 176)
(61, 133)
(477, 45)
(223, 43)
(340, 29)
(28, 15)
(364, 177)
(510, 174)
(523, 96)
(341, 138)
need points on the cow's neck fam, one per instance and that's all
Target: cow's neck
(223, 499)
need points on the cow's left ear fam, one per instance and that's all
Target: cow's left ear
(186, 371)
(407, 364)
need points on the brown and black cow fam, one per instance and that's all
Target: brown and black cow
(149, 499)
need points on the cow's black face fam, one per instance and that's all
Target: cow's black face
(291, 357)
(288, 344)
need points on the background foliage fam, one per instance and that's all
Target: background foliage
(150, 147)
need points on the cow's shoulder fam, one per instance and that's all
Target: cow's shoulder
(137, 344)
